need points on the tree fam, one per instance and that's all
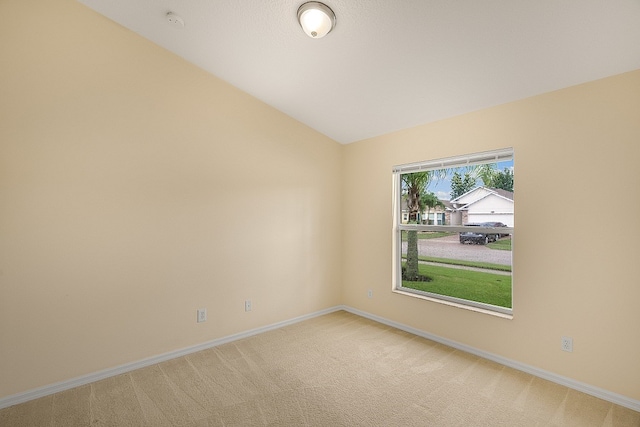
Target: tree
(460, 186)
(430, 201)
(503, 180)
(486, 172)
(490, 177)
(414, 185)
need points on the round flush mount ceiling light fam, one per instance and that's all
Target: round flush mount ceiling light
(316, 19)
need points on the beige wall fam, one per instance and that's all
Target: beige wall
(136, 188)
(574, 275)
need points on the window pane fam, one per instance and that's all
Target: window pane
(468, 260)
(471, 271)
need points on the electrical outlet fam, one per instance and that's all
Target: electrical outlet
(567, 344)
(247, 305)
(202, 315)
(370, 293)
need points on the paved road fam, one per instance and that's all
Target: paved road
(450, 247)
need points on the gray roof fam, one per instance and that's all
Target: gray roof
(503, 193)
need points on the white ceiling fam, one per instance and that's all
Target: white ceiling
(393, 64)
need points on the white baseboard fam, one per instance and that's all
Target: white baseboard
(609, 396)
(100, 375)
(96, 376)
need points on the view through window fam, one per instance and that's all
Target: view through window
(453, 228)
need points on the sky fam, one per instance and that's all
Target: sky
(442, 188)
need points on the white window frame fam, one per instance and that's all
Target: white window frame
(494, 156)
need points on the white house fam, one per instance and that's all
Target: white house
(483, 204)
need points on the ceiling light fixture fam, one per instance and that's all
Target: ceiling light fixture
(175, 20)
(316, 19)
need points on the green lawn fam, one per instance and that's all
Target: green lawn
(488, 288)
(503, 244)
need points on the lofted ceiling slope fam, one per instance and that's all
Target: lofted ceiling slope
(390, 65)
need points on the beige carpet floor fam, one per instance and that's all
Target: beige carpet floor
(335, 370)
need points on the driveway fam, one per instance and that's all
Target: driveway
(450, 247)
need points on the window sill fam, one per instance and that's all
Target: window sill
(455, 304)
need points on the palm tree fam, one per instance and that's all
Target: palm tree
(431, 201)
(414, 186)
(486, 172)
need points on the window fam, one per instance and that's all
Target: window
(453, 228)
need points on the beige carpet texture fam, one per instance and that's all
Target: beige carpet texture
(334, 370)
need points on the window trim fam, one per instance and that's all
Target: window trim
(493, 156)
(446, 163)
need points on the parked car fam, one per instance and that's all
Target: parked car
(481, 238)
(473, 237)
(495, 225)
